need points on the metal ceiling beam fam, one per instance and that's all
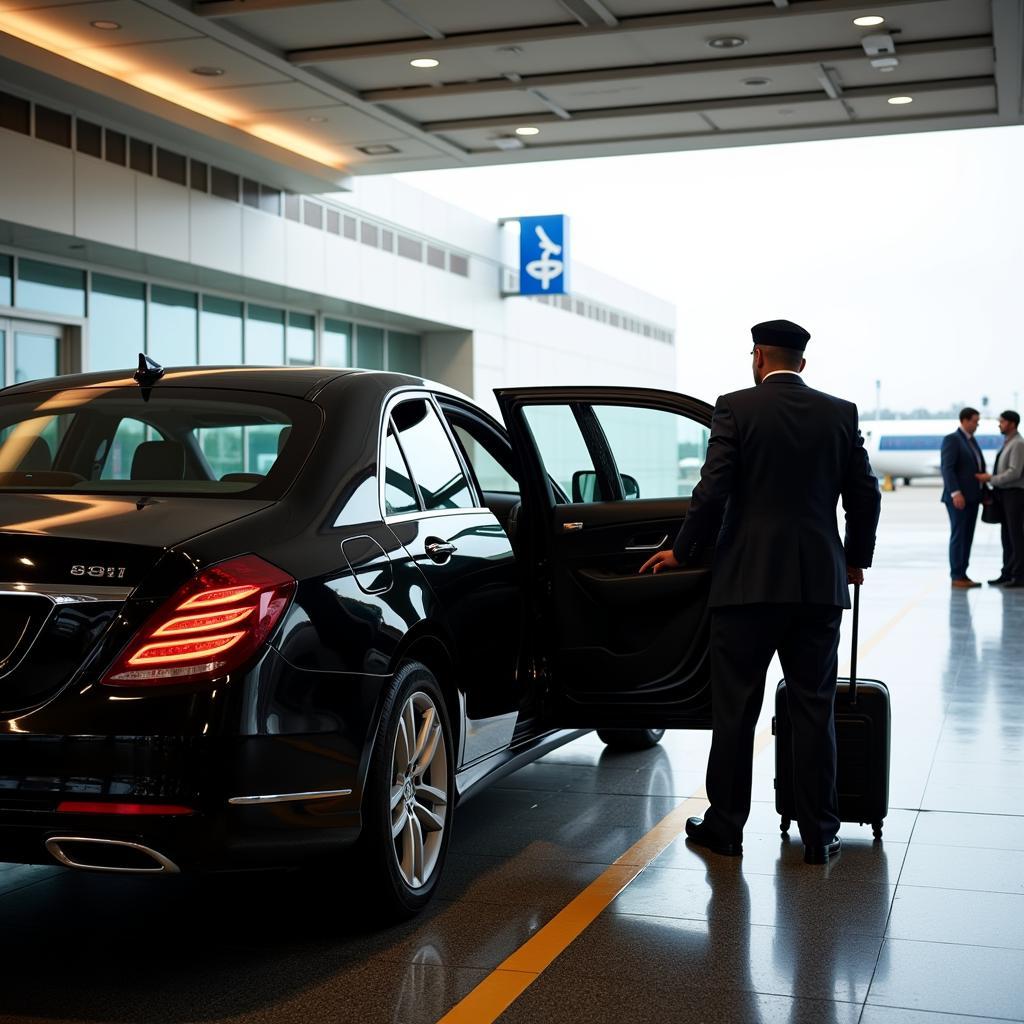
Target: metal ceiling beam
(699, 106)
(1008, 32)
(233, 8)
(716, 20)
(718, 138)
(766, 62)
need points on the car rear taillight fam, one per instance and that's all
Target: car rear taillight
(95, 807)
(212, 626)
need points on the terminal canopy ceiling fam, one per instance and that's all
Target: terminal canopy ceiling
(371, 86)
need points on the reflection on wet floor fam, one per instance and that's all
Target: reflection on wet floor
(923, 928)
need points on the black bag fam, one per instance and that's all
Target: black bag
(863, 718)
(991, 506)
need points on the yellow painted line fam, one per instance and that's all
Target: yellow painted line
(510, 979)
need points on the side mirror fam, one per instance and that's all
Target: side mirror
(585, 488)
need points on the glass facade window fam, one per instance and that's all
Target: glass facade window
(198, 173)
(15, 113)
(220, 332)
(35, 354)
(264, 336)
(117, 147)
(89, 138)
(117, 322)
(5, 280)
(301, 339)
(369, 347)
(51, 288)
(53, 126)
(336, 346)
(173, 326)
(403, 353)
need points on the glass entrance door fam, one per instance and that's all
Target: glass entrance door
(30, 351)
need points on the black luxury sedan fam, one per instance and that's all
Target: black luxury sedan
(256, 616)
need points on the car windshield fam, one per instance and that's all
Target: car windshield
(129, 440)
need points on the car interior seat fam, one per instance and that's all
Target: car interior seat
(159, 460)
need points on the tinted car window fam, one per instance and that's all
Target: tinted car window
(188, 441)
(399, 490)
(434, 464)
(491, 474)
(662, 452)
(563, 451)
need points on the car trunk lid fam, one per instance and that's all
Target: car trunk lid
(68, 564)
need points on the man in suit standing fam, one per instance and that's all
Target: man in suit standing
(1008, 479)
(779, 458)
(961, 461)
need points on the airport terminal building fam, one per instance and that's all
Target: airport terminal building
(113, 242)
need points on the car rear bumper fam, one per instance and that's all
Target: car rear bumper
(254, 800)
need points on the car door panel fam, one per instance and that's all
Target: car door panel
(621, 648)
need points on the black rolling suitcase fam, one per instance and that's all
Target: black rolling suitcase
(862, 739)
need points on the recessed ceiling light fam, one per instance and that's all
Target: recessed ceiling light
(527, 130)
(106, 26)
(424, 62)
(899, 101)
(316, 120)
(869, 21)
(378, 149)
(756, 83)
(726, 42)
(208, 72)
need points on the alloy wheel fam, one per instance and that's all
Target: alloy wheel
(419, 789)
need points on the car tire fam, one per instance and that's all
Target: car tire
(630, 739)
(409, 797)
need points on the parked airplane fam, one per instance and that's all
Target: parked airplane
(908, 449)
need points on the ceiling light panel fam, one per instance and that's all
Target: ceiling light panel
(80, 21)
(869, 21)
(164, 70)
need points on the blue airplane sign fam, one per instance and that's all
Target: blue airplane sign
(544, 255)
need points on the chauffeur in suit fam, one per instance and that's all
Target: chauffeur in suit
(961, 461)
(779, 458)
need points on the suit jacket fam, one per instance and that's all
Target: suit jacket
(779, 458)
(959, 464)
(1010, 465)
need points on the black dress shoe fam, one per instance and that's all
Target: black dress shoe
(822, 854)
(999, 581)
(701, 834)
(1013, 585)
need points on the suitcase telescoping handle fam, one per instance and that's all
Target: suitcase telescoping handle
(854, 640)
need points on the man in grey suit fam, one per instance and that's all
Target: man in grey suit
(779, 458)
(1008, 479)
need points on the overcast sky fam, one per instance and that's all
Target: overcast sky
(903, 256)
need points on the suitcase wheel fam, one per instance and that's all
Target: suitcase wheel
(876, 828)
(784, 826)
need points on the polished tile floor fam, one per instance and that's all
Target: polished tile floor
(926, 927)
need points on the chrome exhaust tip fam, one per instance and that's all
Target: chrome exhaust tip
(115, 856)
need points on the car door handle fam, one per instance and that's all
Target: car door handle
(439, 550)
(656, 546)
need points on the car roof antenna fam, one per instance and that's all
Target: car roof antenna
(148, 373)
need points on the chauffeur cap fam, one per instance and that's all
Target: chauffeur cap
(780, 334)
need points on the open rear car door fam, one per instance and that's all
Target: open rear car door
(607, 475)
